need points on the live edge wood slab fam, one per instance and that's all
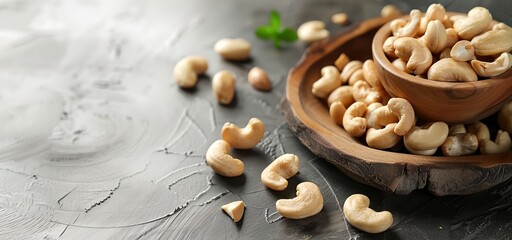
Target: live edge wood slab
(401, 173)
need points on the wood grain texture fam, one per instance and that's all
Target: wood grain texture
(400, 173)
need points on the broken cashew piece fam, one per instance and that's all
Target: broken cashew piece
(405, 113)
(312, 31)
(492, 69)
(428, 136)
(418, 56)
(460, 144)
(477, 20)
(502, 144)
(235, 210)
(359, 214)
(341, 61)
(275, 174)
(223, 85)
(243, 138)
(382, 138)
(462, 51)
(402, 28)
(237, 49)
(221, 162)
(258, 78)
(309, 202)
(450, 70)
(354, 122)
(187, 69)
(329, 81)
(505, 117)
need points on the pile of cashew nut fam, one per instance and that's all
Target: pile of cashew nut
(357, 102)
(466, 47)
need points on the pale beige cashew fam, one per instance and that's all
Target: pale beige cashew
(480, 130)
(434, 12)
(417, 55)
(384, 116)
(356, 76)
(371, 117)
(329, 81)
(505, 117)
(258, 78)
(236, 49)
(401, 64)
(349, 69)
(221, 162)
(340, 18)
(185, 72)
(427, 136)
(502, 144)
(501, 26)
(460, 144)
(462, 51)
(451, 37)
(343, 94)
(354, 122)
(358, 213)
(341, 61)
(385, 97)
(388, 47)
(477, 20)
(363, 92)
(428, 152)
(223, 85)
(391, 11)
(402, 28)
(382, 138)
(456, 129)
(450, 70)
(405, 113)
(312, 31)
(243, 138)
(235, 210)
(435, 38)
(275, 174)
(336, 111)
(309, 202)
(445, 53)
(372, 75)
(495, 68)
(492, 42)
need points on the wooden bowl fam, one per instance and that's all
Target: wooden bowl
(401, 173)
(450, 102)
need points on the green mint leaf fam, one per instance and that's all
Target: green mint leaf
(288, 35)
(274, 20)
(265, 32)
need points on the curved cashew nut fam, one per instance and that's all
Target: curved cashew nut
(401, 65)
(371, 117)
(451, 37)
(237, 49)
(275, 174)
(435, 38)
(428, 152)
(492, 42)
(382, 138)
(186, 70)
(243, 138)
(363, 92)
(428, 136)
(477, 20)
(312, 31)
(456, 129)
(505, 117)
(405, 113)
(372, 75)
(417, 55)
(502, 144)
(223, 85)
(460, 144)
(258, 78)
(359, 214)
(480, 130)
(462, 51)
(450, 70)
(329, 81)
(343, 94)
(492, 69)
(235, 210)
(349, 69)
(388, 46)
(356, 76)
(384, 116)
(336, 111)
(353, 120)
(221, 162)
(434, 12)
(402, 28)
(309, 202)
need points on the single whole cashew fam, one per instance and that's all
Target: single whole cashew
(388, 46)
(349, 69)
(309, 202)
(502, 144)
(223, 85)
(451, 37)
(336, 111)
(343, 94)
(258, 78)
(356, 76)
(450, 70)
(275, 174)
(372, 74)
(243, 138)
(384, 116)
(221, 162)
(401, 28)
(382, 138)
(186, 70)
(329, 81)
(480, 130)
(312, 31)
(371, 117)
(492, 42)
(358, 213)
(391, 11)
(434, 12)
(405, 113)
(400, 64)
(417, 55)
(460, 144)
(477, 20)
(341, 61)
(340, 18)
(495, 68)
(353, 120)
(462, 51)
(428, 136)
(363, 92)
(235, 210)
(435, 38)
(505, 117)
(237, 49)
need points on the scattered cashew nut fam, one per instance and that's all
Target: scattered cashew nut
(428, 136)
(336, 111)
(363, 92)
(312, 31)
(221, 162)
(343, 94)
(258, 78)
(372, 74)
(329, 81)
(405, 113)
(359, 214)
(391, 11)
(480, 130)
(417, 55)
(223, 85)
(235, 210)
(502, 144)
(243, 138)
(450, 70)
(341, 61)
(187, 69)
(495, 68)
(382, 138)
(349, 69)
(237, 49)
(354, 121)
(340, 18)
(275, 174)
(309, 202)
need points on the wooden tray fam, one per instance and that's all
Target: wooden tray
(401, 173)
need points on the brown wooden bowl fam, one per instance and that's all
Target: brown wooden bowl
(450, 102)
(401, 173)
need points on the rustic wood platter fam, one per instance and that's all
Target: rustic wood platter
(401, 173)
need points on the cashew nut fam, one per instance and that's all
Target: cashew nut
(405, 113)
(462, 51)
(341, 61)
(349, 69)
(363, 92)
(243, 138)
(353, 120)
(372, 74)
(456, 129)
(450, 70)
(435, 37)
(452, 37)
(495, 68)
(336, 111)
(235, 210)
(275, 174)
(340, 18)
(343, 94)
(492, 42)
(221, 162)
(382, 138)
(502, 144)
(428, 136)
(186, 70)
(505, 117)
(329, 81)
(427, 152)
(475, 23)
(371, 117)
(417, 55)
(384, 116)
(434, 12)
(223, 85)
(501, 26)
(258, 78)
(391, 11)
(359, 214)
(445, 53)
(309, 202)
(388, 46)
(356, 76)
(480, 130)
(237, 49)
(401, 28)
(401, 65)
(312, 31)
(460, 144)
